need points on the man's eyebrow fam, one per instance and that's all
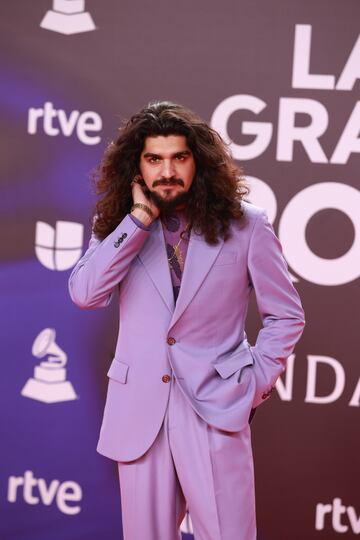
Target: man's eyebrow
(151, 154)
(180, 153)
(183, 153)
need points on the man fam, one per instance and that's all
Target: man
(173, 235)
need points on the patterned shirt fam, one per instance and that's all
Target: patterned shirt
(176, 242)
(173, 225)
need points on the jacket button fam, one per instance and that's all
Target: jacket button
(165, 378)
(171, 341)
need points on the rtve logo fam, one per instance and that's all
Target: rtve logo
(337, 510)
(68, 17)
(36, 491)
(56, 122)
(59, 248)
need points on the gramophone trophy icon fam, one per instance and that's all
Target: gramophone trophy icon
(68, 17)
(49, 383)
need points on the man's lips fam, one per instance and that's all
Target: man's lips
(168, 183)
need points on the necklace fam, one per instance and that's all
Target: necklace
(176, 256)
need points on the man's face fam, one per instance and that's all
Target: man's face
(167, 166)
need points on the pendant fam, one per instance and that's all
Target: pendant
(179, 257)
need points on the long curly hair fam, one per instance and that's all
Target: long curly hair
(217, 189)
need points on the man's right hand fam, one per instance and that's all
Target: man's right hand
(139, 196)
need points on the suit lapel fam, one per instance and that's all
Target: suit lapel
(154, 258)
(199, 259)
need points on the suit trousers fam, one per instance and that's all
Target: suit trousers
(190, 464)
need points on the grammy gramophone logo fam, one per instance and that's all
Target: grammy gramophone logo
(68, 17)
(49, 382)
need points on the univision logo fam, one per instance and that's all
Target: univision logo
(59, 248)
(68, 17)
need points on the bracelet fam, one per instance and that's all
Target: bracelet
(142, 207)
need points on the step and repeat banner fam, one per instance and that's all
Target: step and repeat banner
(280, 82)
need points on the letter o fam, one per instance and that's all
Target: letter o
(292, 229)
(262, 195)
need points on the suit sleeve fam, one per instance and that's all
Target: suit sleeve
(105, 264)
(279, 306)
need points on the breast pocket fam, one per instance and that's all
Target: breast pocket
(118, 371)
(225, 258)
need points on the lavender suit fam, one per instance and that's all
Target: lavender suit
(200, 341)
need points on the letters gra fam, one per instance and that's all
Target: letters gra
(288, 132)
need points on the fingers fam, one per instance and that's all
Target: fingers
(138, 190)
(138, 180)
(139, 194)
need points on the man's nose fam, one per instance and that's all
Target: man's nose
(168, 169)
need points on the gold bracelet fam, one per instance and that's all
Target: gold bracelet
(142, 207)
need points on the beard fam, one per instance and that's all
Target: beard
(168, 205)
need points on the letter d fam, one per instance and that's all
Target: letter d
(313, 361)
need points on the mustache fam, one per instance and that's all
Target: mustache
(168, 182)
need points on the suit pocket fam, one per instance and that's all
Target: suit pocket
(237, 360)
(225, 257)
(118, 371)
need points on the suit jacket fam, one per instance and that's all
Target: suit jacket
(201, 338)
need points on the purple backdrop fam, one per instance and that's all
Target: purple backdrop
(280, 81)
